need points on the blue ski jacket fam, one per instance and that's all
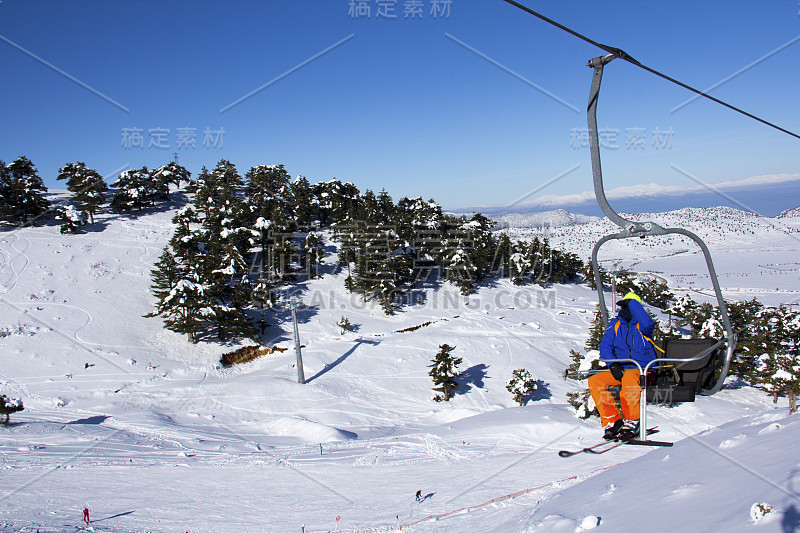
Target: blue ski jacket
(629, 340)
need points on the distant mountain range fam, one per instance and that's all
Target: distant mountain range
(765, 195)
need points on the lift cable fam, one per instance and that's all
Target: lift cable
(621, 54)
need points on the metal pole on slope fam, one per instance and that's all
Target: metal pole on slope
(301, 378)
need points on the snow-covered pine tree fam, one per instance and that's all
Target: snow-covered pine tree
(540, 261)
(481, 245)
(519, 265)
(22, 192)
(314, 252)
(779, 362)
(521, 385)
(177, 287)
(583, 403)
(597, 330)
(787, 361)
(267, 192)
(456, 262)
(302, 203)
(264, 298)
(345, 326)
(266, 181)
(171, 174)
(743, 316)
(588, 275)
(386, 208)
(87, 187)
(384, 287)
(581, 400)
(503, 250)
(367, 209)
(72, 219)
(623, 281)
(225, 272)
(336, 200)
(682, 311)
(655, 292)
(166, 273)
(566, 266)
(135, 189)
(8, 406)
(444, 372)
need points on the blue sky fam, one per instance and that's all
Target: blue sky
(421, 106)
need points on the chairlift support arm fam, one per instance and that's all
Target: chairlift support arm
(641, 229)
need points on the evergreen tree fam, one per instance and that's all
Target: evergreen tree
(655, 292)
(302, 202)
(566, 267)
(582, 400)
(482, 245)
(345, 326)
(171, 174)
(314, 252)
(87, 187)
(596, 332)
(386, 208)
(456, 262)
(684, 311)
(268, 192)
(179, 293)
(8, 406)
(522, 385)
(384, 286)
(583, 403)
(227, 290)
(787, 363)
(743, 317)
(540, 261)
(337, 201)
(444, 372)
(72, 219)
(779, 362)
(264, 297)
(22, 192)
(588, 275)
(519, 263)
(503, 250)
(266, 180)
(136, 189)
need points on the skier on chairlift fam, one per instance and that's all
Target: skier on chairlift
(628, 336)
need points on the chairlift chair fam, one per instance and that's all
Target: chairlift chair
(688, 366)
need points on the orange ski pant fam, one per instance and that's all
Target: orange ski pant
(629, 395)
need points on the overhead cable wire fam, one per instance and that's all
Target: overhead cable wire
(621, 54)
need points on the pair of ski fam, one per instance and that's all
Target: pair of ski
(608, 445)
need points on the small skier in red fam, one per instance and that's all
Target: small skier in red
(86, 516)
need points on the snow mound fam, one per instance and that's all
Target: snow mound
(307, 431)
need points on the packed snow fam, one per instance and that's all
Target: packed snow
(150, 433)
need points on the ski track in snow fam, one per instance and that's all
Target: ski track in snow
(9, 258)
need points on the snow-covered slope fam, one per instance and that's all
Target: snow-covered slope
(146, 431)
(707, 482)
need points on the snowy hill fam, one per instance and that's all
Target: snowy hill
(790, 213)
(150, 434)
(558, 217)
